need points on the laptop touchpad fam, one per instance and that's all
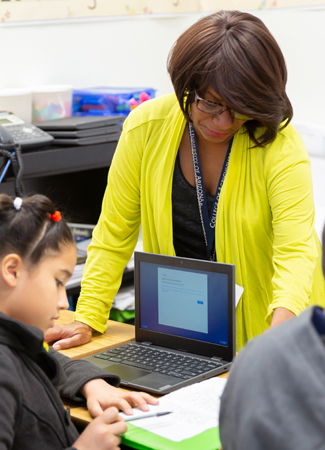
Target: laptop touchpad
(156, 380)
(126, 373)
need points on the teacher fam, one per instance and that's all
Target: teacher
(212, 171)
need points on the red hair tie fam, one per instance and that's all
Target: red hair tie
(56, 217)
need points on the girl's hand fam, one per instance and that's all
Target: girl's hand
(102, 433)
(100, 396)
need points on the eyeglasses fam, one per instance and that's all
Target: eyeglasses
(215, 108)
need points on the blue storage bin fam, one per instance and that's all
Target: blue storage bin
(109, 101)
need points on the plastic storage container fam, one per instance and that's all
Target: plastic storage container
(109, 101)
(18, 101)
(52, 102)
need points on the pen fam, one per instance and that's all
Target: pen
(162, 413)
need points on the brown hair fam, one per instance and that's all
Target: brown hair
(235, 54)
(29, 231)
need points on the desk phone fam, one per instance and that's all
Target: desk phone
(25, 134)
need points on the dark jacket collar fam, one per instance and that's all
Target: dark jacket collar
(28, 340)
(18, 335)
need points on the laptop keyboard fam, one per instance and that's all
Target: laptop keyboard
(161, 361)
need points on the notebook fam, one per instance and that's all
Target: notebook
(184, 324)
(88, 140)
(79, 123)
(86, 133)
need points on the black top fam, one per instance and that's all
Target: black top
(32, 416)
(188, 235)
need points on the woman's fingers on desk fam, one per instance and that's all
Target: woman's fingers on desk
(70, 335)
(103, 433)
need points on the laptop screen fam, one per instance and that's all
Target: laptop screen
(184, 302)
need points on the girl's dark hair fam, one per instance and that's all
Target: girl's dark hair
(235, 54)
(30, 232)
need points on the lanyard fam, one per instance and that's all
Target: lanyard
(208, 223)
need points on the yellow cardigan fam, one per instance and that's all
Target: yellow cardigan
(264, 221)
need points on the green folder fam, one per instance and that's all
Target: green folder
(144, 440)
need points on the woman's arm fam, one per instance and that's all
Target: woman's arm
(114, 237)
(113, 242)
(281, 315)
(290, 193)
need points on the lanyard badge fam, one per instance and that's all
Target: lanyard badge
(208, 223)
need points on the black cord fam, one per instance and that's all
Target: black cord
(17, 167)
(19, 187)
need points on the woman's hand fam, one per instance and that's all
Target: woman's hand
(70, 335)
(100, 395)
(281, 315)
(102, 433)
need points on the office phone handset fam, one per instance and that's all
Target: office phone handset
(15, 135)
(25, 134)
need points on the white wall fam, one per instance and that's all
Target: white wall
(125, 52)
(133, 52)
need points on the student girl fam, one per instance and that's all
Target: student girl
(37, 257)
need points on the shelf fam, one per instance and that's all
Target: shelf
(59, 160)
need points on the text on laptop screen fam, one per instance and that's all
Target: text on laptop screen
(184, 302)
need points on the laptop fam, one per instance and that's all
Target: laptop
(80, 123)
(184, 324)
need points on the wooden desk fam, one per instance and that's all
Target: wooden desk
(81, 416)
(116, 334)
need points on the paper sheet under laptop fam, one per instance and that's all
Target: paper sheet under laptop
(238, 293)
(195, 409)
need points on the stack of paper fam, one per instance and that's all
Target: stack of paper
(195, 410)
(125, 297)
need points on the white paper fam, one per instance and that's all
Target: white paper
(82, 247)
(238, 293)
(121, 302)
(196, 409)
(124, 299)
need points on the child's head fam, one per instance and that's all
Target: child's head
(37, 257)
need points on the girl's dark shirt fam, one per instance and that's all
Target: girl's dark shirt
(188, 235)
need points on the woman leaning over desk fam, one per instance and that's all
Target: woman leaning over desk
(230, 112)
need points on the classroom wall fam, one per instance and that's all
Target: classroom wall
(133, 52)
